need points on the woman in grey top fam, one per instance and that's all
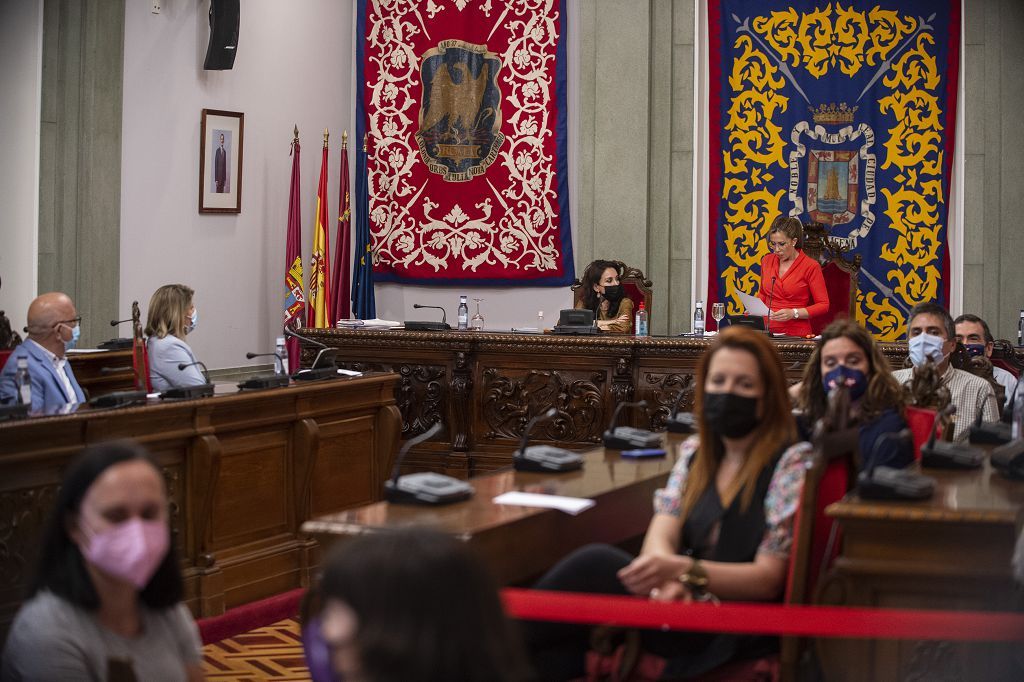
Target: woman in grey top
(172, 315)
(105, 604)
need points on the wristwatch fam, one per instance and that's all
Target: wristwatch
(695, 578)
(796, 313)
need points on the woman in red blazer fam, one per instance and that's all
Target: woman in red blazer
(791, 282)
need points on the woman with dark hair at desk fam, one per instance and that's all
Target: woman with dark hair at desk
(792, 285)
(603, 293)
(722, 526)
(847, 355)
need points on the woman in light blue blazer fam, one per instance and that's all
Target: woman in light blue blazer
(172, 315)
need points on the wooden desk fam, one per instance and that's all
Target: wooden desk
(485, 386)
(950, 552)
(520, 543)
(243, 472)
(103, 372)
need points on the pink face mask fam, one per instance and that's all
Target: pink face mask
(131, 551)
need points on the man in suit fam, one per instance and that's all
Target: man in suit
(220, 167)
(53, 328)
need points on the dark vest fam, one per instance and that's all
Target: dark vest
(740, 533)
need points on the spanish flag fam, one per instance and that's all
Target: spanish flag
(320, 260)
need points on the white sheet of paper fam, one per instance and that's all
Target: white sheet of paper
(570, 505)
(753, 304)
(349, 373)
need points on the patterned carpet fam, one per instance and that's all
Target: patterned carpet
(270, 654)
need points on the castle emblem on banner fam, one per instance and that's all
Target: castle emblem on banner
(460, 110)
(839, 168)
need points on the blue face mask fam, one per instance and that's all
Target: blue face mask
(925, 347)
(193, 321)
(975, 349)
(76, 333)
(854, 380)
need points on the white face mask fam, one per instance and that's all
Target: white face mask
(925, 347)
(193, 321)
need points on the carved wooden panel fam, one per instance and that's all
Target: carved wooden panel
(23, 514)
(661, 390)
(421, 393)
(509, 398)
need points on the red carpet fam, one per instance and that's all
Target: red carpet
(252, 616)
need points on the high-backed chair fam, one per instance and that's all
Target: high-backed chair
(841, 274)
(634, 282)
(1003, 355)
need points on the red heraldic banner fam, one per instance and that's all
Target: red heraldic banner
(462, 113)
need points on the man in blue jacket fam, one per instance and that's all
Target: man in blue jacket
(53, 328)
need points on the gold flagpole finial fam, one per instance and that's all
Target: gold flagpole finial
(365, 138)
(296, 133)
(326, 135)
(344, 139)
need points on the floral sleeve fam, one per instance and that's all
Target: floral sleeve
(667, 500)
(783, 498)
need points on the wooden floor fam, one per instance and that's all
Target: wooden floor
(269, 654)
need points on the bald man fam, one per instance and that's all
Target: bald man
(52, 329)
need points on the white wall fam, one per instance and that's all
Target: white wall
(21, 41)
(293, 67)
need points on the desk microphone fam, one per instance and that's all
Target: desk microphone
(544, 457)
(119, 343)
(189, 392)
(324, 365)
(421, 326)
(946, 455)
(687, 421)
(424, 487)
(182, 366)
(989, 433)
(628, 437)
(771, 295)
(305, 339)
(273, 381)
(887, 483)
(1008, 459)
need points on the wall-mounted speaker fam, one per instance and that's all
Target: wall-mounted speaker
(220, 54)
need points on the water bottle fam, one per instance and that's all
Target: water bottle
(1020, 329)
(281, 366)
(1017, 424)
(463, 314)
(23, 382)
(641, 320)
(698, 319)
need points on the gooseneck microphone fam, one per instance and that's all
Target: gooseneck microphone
(544, 457)
(182, 366)
(288, 331)
(189, 392)
(424, 487)
(989, 433)
(685, 422)
(324, 365)
(886, 483)
(423, 326)
(628, 437)
(114, 323)
(119, 343)
(946, 455)
(771, 295)
(274, 380)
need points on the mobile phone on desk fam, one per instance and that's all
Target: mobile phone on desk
(644, 452)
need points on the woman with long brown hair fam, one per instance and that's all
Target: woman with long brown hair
(604, 294)
(847, 355)
(722, 526)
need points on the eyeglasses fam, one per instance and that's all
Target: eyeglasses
(73, 322)
(777, 246)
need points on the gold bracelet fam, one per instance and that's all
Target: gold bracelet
(695, 578)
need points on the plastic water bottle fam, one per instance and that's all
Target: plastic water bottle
(1020, 329)
(23, 382)
(463, 314)
(698, 319)
(641, 320)
(281, 366)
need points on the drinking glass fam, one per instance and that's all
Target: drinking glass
(477, 322)
(717, 312)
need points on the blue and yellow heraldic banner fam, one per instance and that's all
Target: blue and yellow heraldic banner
(842, 114)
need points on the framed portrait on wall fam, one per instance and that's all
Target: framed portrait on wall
(220, 161)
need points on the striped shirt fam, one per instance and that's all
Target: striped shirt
(969, 393)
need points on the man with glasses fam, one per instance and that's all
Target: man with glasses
(53, 328)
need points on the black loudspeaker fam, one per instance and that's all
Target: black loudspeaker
(220, 54)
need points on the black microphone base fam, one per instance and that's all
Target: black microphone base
(571, 330)
(318, 374)
(683, 422)
(188, 392)
(629, 438)
(547, 459)
(115, 344)
(1008, 459)
(13, 412)
(119, 399)
(417, 326)
(885, 483)
(990, 434)
(261, 383)
(427, 488)
(951, 456)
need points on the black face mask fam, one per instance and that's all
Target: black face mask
(730, 415)
(613, 292)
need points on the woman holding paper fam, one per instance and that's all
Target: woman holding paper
(792, 285)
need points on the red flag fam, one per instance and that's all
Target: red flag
(140, 355)
(340, 283)
(294, 296)
(318, 312)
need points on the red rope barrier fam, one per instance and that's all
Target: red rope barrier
(804, 621)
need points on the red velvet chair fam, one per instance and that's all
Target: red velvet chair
(1004, 355)
(634, 283)
(841, 274)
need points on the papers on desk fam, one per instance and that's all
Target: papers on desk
(84, 351)
(375, 323)
(349, 373)
(753, 304)
(570, 505)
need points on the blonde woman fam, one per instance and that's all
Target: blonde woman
(172, 316)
